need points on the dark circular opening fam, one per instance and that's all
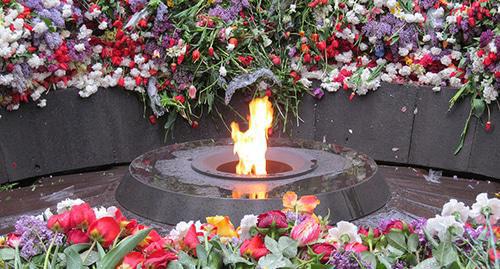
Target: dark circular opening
(272, 167)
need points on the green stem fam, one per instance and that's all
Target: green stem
(88, 252)
(47, 255)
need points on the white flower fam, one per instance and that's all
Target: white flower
(292, 8)
(84, 32)
(482, 205)
(180, 230)
(490, 94)
(247, 222)
(66, 205)
(42, 103)
(435, 51)
(403, 51)
(66, 11)
(436, 89)
(444, 227)
(222, 71)
(446, 60)
(35, 61)
(50, 3)
(344, 232)
(80, 47)
(103, 25)
(455, 208)
(101, 212)
(405, 71)
(426, 38)
(40, 28)
(230, 47)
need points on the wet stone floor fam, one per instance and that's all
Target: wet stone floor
(412, 196)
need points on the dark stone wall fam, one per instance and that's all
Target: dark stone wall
(397, 123)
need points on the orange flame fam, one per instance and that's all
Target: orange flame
(251, 146)
(251, 191)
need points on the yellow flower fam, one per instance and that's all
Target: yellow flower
(408, 60)
(224, 226)
(396, 10)
(170, 3)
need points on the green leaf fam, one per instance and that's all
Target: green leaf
(113, 257)
(174, 265)
(384, 262)
(288, 246)
(413, 243)
(445, 254)
(7, 254)
(272, 245)
(397, 240)
(321, 266)
(478, 107)
(186, 261)
(430, 263)
(91, 258)
(275, 261)
(369, 258)
(73, 260)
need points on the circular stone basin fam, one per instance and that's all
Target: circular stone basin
(193, 180)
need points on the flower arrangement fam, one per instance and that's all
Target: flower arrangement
(179, 53)
(294, 237)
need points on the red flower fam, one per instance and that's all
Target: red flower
(211, 52)
(76, 236)
(132, 260)
(180, 98)
(104, 230)
(254, 248)
(275, 59)
(325, 249)
(245, 60)
(321, 45)
(153, 236)
(491, 255)
(356, 247)
(196, 55)
(272, 219)
(81, 216)
(233, 41)
(397, 225)
(60, 222)
(143, 23)
(152, 119)
(191, 240)
(487, 126)
(307, 58)
(13, 240)
(159, 259)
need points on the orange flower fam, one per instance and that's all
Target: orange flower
(306, 204)
(224, 226)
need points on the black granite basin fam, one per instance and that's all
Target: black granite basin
(169, 184)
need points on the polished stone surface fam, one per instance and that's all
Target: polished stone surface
(343, 177)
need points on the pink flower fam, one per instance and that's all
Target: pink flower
(272, 219)
(306, 232)
(356, 247)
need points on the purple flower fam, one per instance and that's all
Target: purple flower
(54, 15)
(486, 38)
(53, 40)
(346, 260)
(426, 4)
(318, 93)
(35, 236)
(230, 13)
(137, 5)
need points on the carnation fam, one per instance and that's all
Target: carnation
(444, 227)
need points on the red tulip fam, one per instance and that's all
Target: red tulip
(153, 236)
(487, 127)
(233, 41)
(76, 236)
(254, 248)
(180, 98)
(104, 230)
(13, 240)
(191, 240)
(132, 260)
(81, 216)
(211, 52)
(159, 259)
(356, 247)
(272, 219)
(196, 55)
(306, 232)
(59, 223)
(325, 249)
